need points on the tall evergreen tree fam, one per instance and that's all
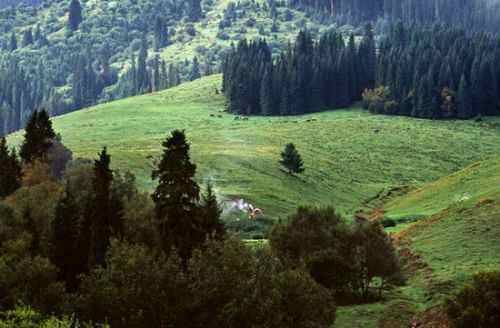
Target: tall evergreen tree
(266, 93)
(176, 197)
(38, 137)
(65, 234)
(195, 12)
(195, 70)
(75, 16)
(13, 41)
(143, 84)
(464, 100)
(160, 33)
(10, 173)
(102, 217)
(210, 214)
(27, 37)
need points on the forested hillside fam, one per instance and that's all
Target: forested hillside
(470, 14)
(8, 3)
(436, 73)
(66, 55)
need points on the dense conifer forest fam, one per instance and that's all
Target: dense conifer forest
(470, 14)
(307, 77)
(435, 72)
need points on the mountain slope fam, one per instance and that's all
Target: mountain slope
(350, 155)
(454, 238)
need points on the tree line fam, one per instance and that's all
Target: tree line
(436, 72)
(306, 77)
(478, 15)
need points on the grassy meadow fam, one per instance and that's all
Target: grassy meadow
(350, 155)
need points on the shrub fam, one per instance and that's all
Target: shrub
(224, 284)
(190, 30)
(343, 258)
(387, 223)
(478, 303)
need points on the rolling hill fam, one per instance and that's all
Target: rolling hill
(350, 155)
(455, 236)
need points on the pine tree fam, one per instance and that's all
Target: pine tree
(10, 173)
(160, 33)
(266, 93)
(291, 159)
(13, 42)
(176, 197)
(75, 17)
(464, 100)
(143, 84)
(102, 216)
(195, 12)
(210, 214)
(38, 137)
(195, 70)
(65, 234)
(27, 37)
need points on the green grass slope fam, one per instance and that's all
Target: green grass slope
(457, 236)
(476, 182)
(350, 155)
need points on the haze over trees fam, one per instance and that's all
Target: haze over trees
(472, 15)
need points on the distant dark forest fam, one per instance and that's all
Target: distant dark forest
(7, 3)
(436, 72)
(472, 14)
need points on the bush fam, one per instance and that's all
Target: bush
(343, 258)
(224, 284)
(223, 36)
(190, 30)
(478, 303)
(387, 223)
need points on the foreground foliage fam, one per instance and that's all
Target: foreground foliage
(478, 303)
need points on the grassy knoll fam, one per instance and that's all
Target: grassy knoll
(350, 155)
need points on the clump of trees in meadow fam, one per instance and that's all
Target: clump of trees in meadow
(436, 73)
(307, 77)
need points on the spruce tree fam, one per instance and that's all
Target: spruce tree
(65, 234)
(13, 41)
(27, 37)
(464, 100)
(10, 172)
(195, 12)
(210, 214)
(176, 197)
(102, 215)
(195, 70)
(38, 137)
(291, 159)
(74, 15)
(266, 93)
(142, 83)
